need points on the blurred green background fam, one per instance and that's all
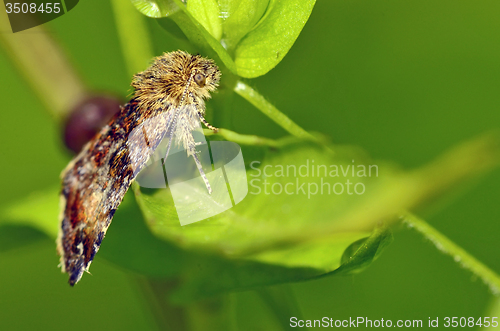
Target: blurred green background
(403, 80)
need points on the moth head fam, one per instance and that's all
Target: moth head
(200, 79)
(206, 75)
(177, 76)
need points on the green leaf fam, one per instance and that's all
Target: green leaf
(262, 218)
(210, 275)
(363, 252)
(240, 16)
(268, 43)
(206, 12)
(14, 236)
(157, 8)
(39, 210)
(176, 11)
(257, 241)
(130, 244)
(257, 36)
(270, 238)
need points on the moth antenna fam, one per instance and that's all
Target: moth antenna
(171, 131)
(170, 138)
(181, 103)
(168, 150)
(202, 173)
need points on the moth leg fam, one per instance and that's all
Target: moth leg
(201, 115)
(208, 125)
(202, 173)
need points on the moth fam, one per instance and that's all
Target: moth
(167, 102)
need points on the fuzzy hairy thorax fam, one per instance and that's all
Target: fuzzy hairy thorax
(170, 81)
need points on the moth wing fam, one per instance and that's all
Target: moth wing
(95, 182)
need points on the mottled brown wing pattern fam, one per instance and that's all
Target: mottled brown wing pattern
(95, 183)
(168, 101)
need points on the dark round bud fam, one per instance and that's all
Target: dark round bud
(87, 119)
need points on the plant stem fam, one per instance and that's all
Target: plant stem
(270, 111)
(445, 245)
(135, 41)
(493, 310)
(242, 138)
(207, 314)
(44, 66)
(282, 302)
(210, 314)
(155, 293)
